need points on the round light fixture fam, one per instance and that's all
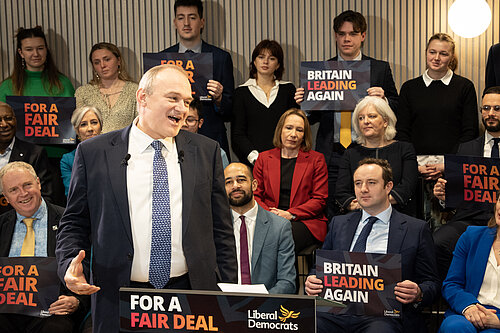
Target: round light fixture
(469, 18)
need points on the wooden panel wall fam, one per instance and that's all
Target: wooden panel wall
(397, 32)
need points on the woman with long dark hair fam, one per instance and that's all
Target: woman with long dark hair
(34, 73)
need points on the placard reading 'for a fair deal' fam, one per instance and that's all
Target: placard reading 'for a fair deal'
(44, 120)
(28, 285)
(198, 66)
(334, 85)
(363, 281)
(471, 181)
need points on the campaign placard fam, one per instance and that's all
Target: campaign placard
(334, 85)
(168, 310)
(199, 67)
(44, 120)
(28, 285)
(472, 181)
(364, 282)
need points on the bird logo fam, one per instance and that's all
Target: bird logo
(287, 314)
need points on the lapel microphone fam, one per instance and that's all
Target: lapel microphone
(125, 160)
(181, 156)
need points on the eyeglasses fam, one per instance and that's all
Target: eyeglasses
(191, 121)
(487, 108)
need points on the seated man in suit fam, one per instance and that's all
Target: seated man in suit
(446, 237)
(378, 228)
(13, 149)
(264, 241)
(189, 23)
(30, 230)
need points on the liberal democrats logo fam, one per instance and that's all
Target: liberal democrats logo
(271, 320)
(287, 314)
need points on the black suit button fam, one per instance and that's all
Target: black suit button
(130, 256)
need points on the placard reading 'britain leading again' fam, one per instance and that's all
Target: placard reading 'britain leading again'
(363, 281)
(334, 85)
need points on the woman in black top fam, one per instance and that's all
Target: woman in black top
(259, 103)
(374, 123)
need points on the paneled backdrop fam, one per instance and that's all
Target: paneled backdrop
(397, 32)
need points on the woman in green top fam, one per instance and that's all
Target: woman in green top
(35, 73)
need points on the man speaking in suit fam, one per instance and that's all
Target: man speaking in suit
(264, 240)
(148, 203)
(446, 237)
(334, 132)
(189, 23)
(378, 228)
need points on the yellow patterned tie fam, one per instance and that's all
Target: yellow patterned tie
(28, 249)
(345, 128)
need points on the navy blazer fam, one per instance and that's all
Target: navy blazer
(409, 237)
(214, 117)
(97, 216)
(8, 222)
(54, 213)
(380, 76)
(492, 77)
(465, 276)
(273, 256)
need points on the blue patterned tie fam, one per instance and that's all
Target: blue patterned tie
(360, 245)
(161, 244)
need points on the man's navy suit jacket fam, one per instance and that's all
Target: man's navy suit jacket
(214, 117)
(97, 219)
(409, 237)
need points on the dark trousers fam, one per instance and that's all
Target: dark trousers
(327, 323)
(17, 323)
(178, 282)
(445, 239)
(333, 171)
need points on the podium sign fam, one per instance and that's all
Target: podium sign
(169, 310)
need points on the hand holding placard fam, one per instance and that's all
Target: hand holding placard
(75, 279)
(407, 292)
(64, 305)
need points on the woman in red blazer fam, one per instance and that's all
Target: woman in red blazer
(293, 180)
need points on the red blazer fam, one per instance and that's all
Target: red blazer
(309, 187)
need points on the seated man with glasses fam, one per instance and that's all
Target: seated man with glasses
(486, 145)
(194, 121)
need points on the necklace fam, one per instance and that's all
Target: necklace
(109, 92)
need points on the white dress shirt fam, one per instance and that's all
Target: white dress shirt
(488, 144)
(140, 192)
(259, 94)
(490, 288)
(195, 49)
(5, 157)
(250, 219)
(379, 236)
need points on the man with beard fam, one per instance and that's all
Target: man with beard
(447, 236)
(264, 242)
